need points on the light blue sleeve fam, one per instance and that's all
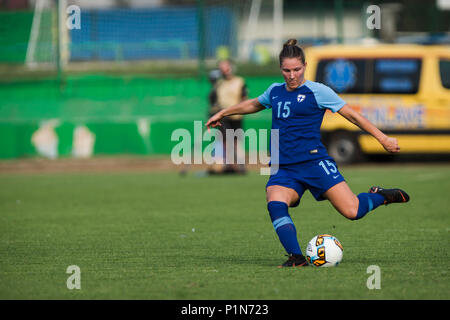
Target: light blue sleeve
(325, 96)
(264, 99)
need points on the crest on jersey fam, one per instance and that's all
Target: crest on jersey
(300, 97)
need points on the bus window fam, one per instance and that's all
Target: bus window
(444, 70)
(343, 75)
(370, 75)
(396, 76)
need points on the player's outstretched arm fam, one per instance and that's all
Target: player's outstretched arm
(389, 144)
(244, 107)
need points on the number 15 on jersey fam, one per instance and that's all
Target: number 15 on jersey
(283, 109)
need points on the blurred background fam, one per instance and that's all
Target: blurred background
(83, 79)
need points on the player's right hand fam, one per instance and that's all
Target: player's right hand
(214, 121)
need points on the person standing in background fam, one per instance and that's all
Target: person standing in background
(218, 166)
(228, 91)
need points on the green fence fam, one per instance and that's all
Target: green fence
(109, 115)
(14, 35)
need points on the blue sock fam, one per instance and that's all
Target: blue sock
(284, 226)
(368, 202)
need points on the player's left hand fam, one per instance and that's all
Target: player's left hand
(390, 145)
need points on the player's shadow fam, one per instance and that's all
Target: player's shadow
(222, 260)
(408, 158)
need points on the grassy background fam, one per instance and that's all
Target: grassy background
(162, 236)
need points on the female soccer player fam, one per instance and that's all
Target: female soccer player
(298, 106)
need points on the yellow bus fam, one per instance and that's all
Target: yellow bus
(403, 89)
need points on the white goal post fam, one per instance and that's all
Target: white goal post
(48, 44)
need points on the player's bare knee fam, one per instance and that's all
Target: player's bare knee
(350, 212)
(352, 209)
(274, 193)
(353, 214)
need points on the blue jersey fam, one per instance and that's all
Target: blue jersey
(298, 115)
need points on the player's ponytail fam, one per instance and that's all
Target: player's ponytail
(291, 50)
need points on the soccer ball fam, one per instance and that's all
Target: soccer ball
(324, 250)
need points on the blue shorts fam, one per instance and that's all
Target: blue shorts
(317, 176)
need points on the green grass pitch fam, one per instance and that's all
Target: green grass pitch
(162, 236)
